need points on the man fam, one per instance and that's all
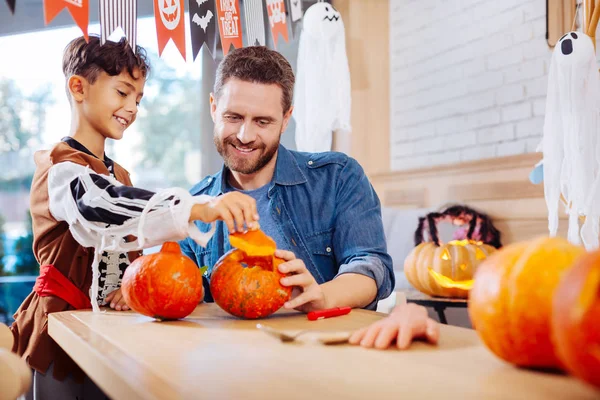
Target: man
(319, 208)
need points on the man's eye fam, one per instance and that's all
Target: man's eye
(122, 94)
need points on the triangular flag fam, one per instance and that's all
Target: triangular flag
(79, 10)
(295, 9)
(11, 5)
(203, 26)
(230, 26)
(170, 24)
(255, 22)
(277, 19)
(119, 14)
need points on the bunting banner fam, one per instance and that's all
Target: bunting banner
(79, 10)
(203, 26)
(277, 19)
(255, 22)
(230, 25)
(170, 24)
(116, 14)
(11, 5)
(295, 9)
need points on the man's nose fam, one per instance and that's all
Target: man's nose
(246, 133)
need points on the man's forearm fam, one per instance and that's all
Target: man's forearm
(354, 290)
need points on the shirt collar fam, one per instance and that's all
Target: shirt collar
(110, 165)
(287, 171)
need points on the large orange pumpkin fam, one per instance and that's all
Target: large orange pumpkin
(510, 304)
(576, 319)
(166, 285)
(245, 282)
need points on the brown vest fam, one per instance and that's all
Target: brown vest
(54, 244)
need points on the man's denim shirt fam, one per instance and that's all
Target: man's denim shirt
(327, 209)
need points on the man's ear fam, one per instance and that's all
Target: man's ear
(78, 87)
(213, 106)
(286, 119)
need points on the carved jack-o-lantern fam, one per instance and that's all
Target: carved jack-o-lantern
(447, 269)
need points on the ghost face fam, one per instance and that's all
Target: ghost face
(574, 49)
(323, 19)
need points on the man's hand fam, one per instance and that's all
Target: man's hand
(311, 296)
(405, 323)
(116, 300)
(234, 208)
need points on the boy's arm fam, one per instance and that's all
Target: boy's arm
(97, 206)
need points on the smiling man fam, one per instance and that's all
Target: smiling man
(319, 208)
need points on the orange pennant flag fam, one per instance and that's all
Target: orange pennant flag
(230, 25)
(277, 19)
(170, 24)
(79, 9)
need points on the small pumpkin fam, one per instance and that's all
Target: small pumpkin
(166, 285)
(510, 304)
(576, 319)
(245, 282)
(445, 270)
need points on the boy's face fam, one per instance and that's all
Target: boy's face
(110, 104)
(249, 121)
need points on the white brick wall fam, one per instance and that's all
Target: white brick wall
(468, 79)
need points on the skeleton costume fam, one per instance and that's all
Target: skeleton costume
(88, 225)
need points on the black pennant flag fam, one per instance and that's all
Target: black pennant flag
(203, 26)
(11, 5)
(295, 12)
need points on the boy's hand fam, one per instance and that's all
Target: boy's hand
(405, 323)
(234, 208)
(116, 300)
(311, 296)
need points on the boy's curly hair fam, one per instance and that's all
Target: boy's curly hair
(88, 59)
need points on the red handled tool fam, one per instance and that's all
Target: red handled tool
(332, 312)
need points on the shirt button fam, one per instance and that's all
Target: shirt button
(328, 249)
(310, 163)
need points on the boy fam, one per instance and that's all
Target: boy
(88, 222)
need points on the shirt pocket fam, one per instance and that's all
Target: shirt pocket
(321, 243)
(204, 258)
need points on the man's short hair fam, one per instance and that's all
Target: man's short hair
(257, 64)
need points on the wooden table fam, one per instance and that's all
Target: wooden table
(439, 304)
(212, 355)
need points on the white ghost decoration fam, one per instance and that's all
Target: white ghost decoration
(569, 144)
(322, 92)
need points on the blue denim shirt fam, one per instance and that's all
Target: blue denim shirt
(325, 205)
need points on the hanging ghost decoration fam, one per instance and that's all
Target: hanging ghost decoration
(569, 144)
(322, 92)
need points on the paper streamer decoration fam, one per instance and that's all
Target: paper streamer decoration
(230, 26)
(322, 91)
(203, 26)
(170, 24)
(11, 5)
(277, 19)
(570, 142)
(255, 22)
(119, 14)
(295, 9)
(79, 10)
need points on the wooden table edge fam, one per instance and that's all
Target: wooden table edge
(99, 366)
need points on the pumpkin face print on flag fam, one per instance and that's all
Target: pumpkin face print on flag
(168, 15)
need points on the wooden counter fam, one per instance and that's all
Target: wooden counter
(212, 355)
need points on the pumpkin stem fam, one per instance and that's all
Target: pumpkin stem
(170, 247)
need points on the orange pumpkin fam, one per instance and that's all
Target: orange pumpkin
(166, 285)
(510, 304)
(245, 282)
(446, 270)
(576, 319)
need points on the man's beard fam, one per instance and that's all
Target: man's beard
(238, 164)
